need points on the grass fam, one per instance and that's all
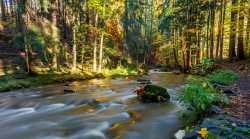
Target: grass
(122, 72)
(11, 83)
(223, 76)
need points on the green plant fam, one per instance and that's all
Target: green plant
(209, 135)
(223, 76)
(199, 97)
(229, 134)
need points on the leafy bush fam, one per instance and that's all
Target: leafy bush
(204, 68)
(122, 72)
(199, 97)
(223, 76)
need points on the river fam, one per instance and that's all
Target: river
(102, 108)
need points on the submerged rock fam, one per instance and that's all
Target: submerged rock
(70, 91)
(155, 93)
(143, 80)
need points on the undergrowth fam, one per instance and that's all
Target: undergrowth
(223, 76)
(10, 83)
(122, 72)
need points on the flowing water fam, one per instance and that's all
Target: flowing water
(102, 108)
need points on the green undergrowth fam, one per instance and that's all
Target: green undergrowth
(223, 76)
(199, 97)
(246, 66)
(243, 130)
(122, 72)
(11, 83)
(204, 68)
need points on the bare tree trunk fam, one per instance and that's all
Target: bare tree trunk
(219, 31)
(3, 10)
(240, 51)
(74, 37)
(96, 25)
(54, 35)
(248, 30)
(100, 62)
(223, 28)
(232, 33)
(208, 17)
(151, 29)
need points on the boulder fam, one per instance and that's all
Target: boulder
(70, 91)
(155, 93)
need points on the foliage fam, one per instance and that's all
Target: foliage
(10, 83)
(223, 76)
(209, 135)
(228, 134)
(204, 68)
(203, 132)
(246, 66)
(199, 97)
(122, 72)
(243, 130)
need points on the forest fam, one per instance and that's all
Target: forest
(97, 35)
(125, 69)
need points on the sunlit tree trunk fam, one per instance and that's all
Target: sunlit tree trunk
(101, 46)
(223, 28)
(208, 17)
(151, 29)
(219, 31)
(96, 25)
(74, 37)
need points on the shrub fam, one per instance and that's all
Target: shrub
(223, 76)
(199, 97)
(122, 72)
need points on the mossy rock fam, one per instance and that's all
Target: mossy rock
(155, 93)
(209, 135)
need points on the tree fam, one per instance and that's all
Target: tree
(240, 50)
(3, 10)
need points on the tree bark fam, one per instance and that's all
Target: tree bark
(3, 10)
(219, 31)
(74, 37)
(240, 50)
(223, 28)
(96, 25)
(101, 46)
(232, 33)
(54, 35)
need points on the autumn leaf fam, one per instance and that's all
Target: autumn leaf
(203, 132)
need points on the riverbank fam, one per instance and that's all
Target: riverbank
(229, 120)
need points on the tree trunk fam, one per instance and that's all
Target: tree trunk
(74, 37)
(101, 46)
(11, 6)
(208, 17)
(96, 25)
(223, 28)
(151, 29)
(28, 50)
(3, 10)
(232, 33)
(54, 35)
(87, 21)
(240, 50)
(219, 31)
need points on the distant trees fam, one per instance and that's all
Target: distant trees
(107, 33)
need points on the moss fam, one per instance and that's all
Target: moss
(209, 135)
(155, 93)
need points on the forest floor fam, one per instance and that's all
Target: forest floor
(240, 106)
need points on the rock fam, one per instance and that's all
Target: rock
(180, 134)
(143, 80)
(154, 93)
(70, 91)
(216, 109)
(229, 92)
(192, 134)
(146, 82)
(176, 71)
